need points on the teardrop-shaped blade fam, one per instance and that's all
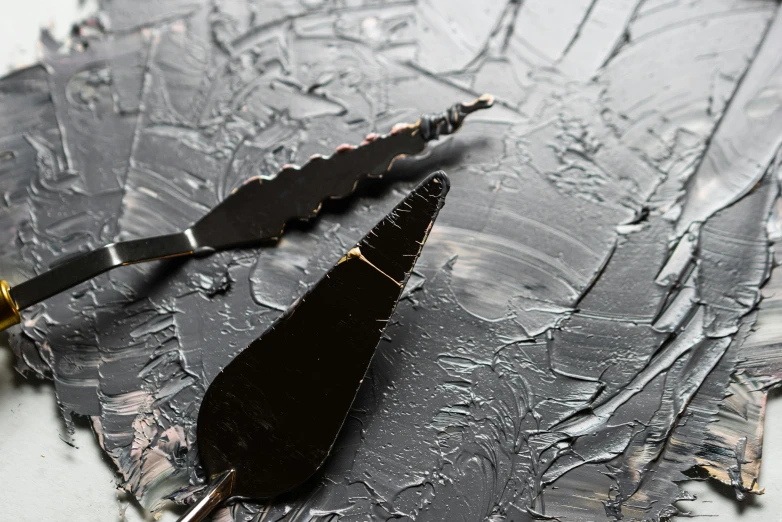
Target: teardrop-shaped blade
(275, 411)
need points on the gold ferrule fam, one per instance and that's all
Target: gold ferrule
(9, 312)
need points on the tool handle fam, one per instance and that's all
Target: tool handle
(9, 312)
(219, 489)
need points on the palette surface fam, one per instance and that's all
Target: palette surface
(599, 289)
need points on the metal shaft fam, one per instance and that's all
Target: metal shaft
(219, 489)
(77, 270)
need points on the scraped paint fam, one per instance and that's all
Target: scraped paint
(598, 291)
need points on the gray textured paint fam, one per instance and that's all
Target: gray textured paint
(583, 306)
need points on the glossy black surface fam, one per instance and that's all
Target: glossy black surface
(276, 431)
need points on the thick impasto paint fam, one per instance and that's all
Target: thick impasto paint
(587, 305)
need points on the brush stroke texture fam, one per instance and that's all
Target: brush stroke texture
(587, 300)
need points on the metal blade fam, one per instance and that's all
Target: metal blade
(260, 208)
(275, 411)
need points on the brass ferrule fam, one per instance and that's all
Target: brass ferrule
(9, 312)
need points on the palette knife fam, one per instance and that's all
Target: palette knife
(255, 212)
(270, 418)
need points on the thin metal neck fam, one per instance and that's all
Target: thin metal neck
(219, 489)
(81, 268)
